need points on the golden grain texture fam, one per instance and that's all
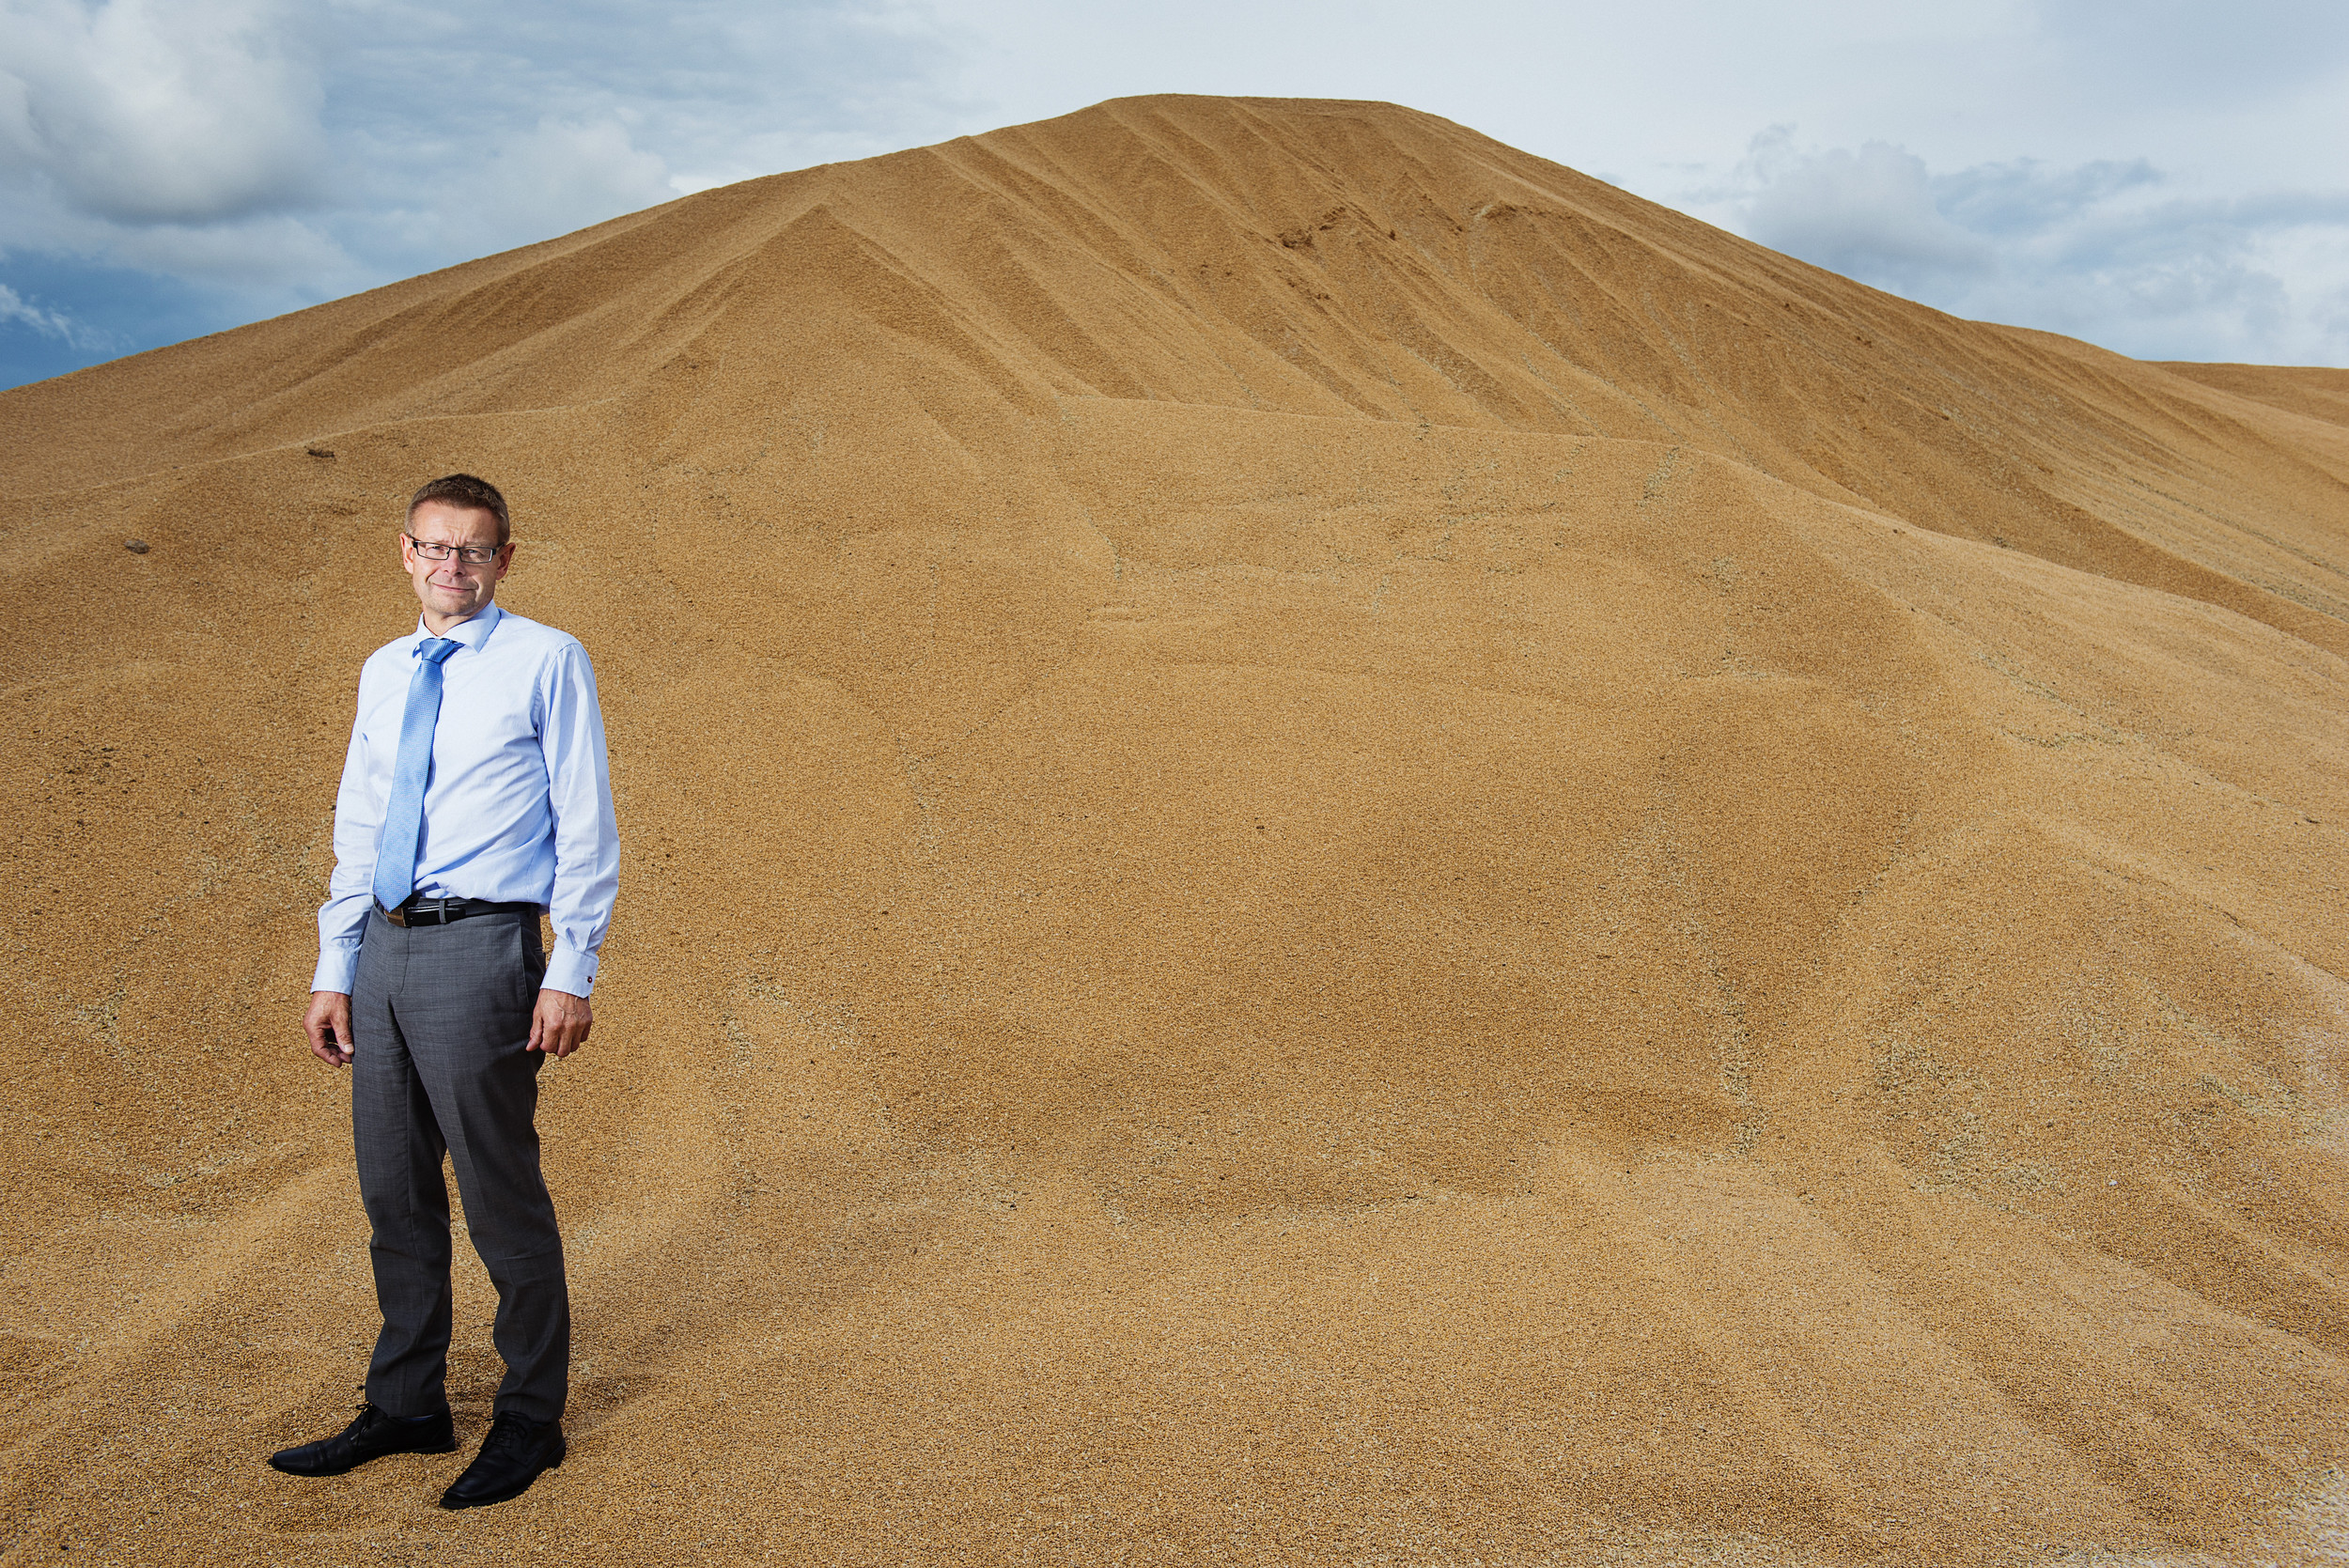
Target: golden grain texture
(1338, 848)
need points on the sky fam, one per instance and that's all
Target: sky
(2164, 178)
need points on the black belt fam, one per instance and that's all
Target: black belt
(420, 910)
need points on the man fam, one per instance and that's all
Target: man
(474, 796)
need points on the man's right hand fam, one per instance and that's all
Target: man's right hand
(329, 1023)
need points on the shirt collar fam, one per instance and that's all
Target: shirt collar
(473, 632)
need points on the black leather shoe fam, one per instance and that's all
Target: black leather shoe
(510, 1459)
(371, 1437)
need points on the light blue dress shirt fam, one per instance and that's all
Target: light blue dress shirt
(518, 809)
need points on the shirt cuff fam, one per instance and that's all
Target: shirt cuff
(338, 969)
(572, 973)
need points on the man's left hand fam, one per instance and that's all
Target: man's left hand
(560, 1023)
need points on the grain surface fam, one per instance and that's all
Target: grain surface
(1337, 849)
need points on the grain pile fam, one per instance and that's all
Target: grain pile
(1338, 848)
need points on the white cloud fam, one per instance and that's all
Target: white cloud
(1865, 212)
(2107, 251)
(2024, 195)
(49, 323)
(142, 111)
(2244, 278)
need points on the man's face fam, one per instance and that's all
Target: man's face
(454, 589)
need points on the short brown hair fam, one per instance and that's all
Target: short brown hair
(474, 495)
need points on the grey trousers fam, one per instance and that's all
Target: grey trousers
(440, 1019)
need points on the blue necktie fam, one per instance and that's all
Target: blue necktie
(403, 815)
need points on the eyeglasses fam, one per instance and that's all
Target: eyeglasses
(473, 555)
